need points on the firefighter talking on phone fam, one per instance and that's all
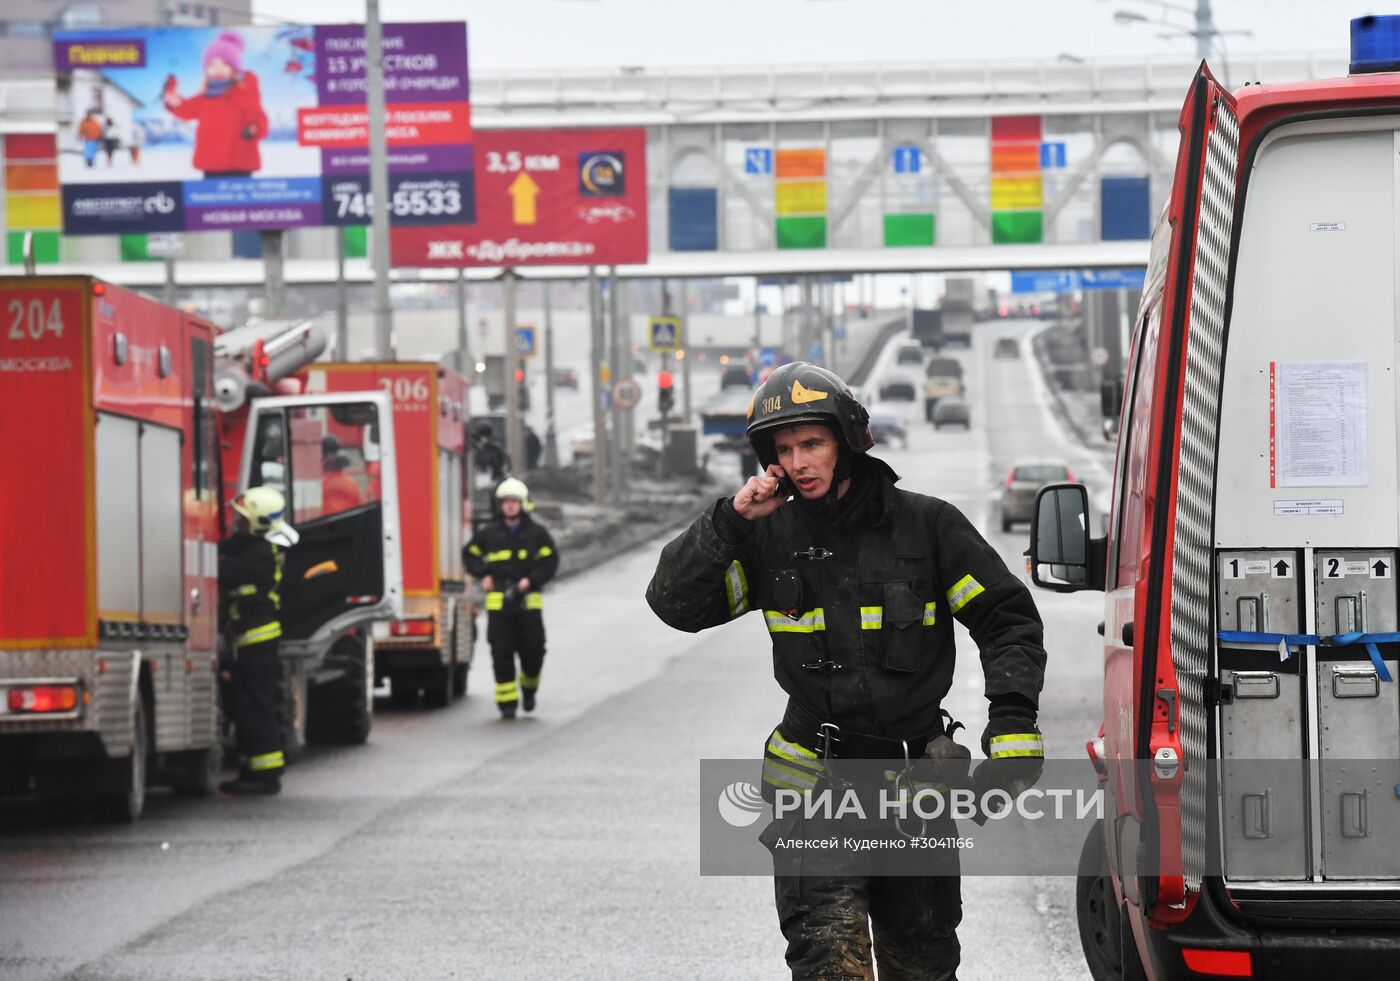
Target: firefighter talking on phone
(858, 582)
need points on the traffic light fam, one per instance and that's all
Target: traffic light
(665, 391)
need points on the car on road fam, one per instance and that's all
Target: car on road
(566, 378)
(897, 390)
(911, 352)
(1022, 482)
(1006, 347)
(889, 429)
(951, 412)
(736, 376)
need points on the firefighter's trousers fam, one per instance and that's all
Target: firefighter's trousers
(828, 922)
(512, 634)
(257, 708)
(830, 918)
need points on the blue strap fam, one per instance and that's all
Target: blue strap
(1370, 640)
(1351, 639)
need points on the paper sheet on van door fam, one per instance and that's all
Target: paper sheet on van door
(1318, 424)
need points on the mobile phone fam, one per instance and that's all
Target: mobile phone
(785, 489)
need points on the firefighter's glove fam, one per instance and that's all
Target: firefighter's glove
(950, 764)
(1015, 757)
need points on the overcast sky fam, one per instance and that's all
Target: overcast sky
(658, 33)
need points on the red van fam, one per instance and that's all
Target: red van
(1250, 746)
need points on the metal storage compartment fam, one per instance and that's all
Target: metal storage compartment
(1264, 807)
(1358, 718)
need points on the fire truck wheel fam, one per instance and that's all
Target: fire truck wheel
(459, 666)
(293, 708)
(199, 772)
(1097, 910)
(125, 806)
(342, 711)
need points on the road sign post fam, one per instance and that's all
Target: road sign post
(510, 364)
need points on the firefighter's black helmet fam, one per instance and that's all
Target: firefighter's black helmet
(802, 392)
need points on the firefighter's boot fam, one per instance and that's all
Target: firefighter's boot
(507, 711)
(253, 783)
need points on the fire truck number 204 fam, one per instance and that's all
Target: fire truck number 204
(32, 320)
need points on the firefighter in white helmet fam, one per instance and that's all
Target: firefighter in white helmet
(514, 557)
(250, 576)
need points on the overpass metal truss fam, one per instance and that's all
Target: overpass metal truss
(856, 157)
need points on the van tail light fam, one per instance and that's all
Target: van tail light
(411, 628)
(1221, 963)
(40, 699)
(1010, 476)
(1069, 475)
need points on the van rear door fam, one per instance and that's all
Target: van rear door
(334, 457)
(1173, 603)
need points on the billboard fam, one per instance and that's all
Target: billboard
(544, 197)
(247, 128)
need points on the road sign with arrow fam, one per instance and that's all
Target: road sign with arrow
(523, 191)
(544, 197)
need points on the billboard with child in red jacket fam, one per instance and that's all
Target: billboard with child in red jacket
(252, 128)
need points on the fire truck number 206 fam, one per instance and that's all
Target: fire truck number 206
(405, 389)
(32, 320)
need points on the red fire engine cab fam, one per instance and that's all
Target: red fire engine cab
(428, 651)
(110, 521)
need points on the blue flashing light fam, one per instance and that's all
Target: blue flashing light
(1375, 44)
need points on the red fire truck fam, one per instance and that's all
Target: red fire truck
(429, 649)
(1250, 747)
(110, 519)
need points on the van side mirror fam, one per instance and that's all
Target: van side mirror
(1063, 555)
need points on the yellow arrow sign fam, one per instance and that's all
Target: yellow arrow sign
(523, 191)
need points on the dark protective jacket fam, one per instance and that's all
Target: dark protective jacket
(508, 557)
(869, 643)
(250, 574)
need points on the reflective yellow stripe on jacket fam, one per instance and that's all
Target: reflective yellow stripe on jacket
(788, 766)
(1017, 744)
(260, 635)
(964, 591)
(873, 617)
(736, 589)
(809, 622)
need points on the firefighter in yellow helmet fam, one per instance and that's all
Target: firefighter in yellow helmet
(514, 557)
(250, 575)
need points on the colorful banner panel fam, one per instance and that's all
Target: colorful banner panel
(1125, 210)
(253, 128)
(909, 230)
(31, 197)
(799, 198)
(1017, 188)
(910, 197)
(545, 197)
(693, 219)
